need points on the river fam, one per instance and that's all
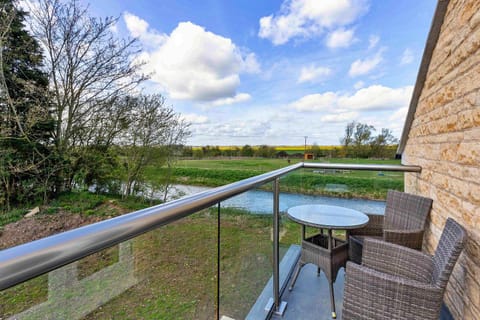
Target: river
(260, 201)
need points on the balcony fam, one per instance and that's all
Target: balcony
(225, 263)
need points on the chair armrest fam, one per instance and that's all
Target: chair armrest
(409, 238)
(374, 226)
(397, 260)
(370, 294)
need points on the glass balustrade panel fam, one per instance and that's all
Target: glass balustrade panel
(167, 273)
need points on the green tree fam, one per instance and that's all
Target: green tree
(247, 151)
(381, 142)
(265, 151)
(317, 152)
(198, 153)
(27, 163)
(361, 140)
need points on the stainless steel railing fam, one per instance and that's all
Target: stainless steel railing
(30, 260)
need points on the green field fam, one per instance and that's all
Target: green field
(362, 184)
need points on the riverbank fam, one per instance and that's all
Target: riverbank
(336, 183)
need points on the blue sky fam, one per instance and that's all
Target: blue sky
(272, 72)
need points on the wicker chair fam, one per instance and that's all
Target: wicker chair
(403, 223)
(395, 282)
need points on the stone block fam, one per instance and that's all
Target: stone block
(468, 10)
(473, 247)
(468, 153)
(472, 135)
(474, 20)
(448, 151)
(440, 180)
(472, 99)
(472, 290)
(469, 173)
(473, 193)
(465, 120)
(449, 200)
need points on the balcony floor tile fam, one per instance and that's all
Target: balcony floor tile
(310, 298)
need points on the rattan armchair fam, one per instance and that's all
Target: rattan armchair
(395, 282)
(403, 223)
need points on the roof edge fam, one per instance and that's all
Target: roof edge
(430, 45)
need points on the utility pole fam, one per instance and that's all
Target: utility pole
(305, 150)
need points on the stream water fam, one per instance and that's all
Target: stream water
(260, 201)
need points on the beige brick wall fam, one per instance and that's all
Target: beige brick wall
(445, 140)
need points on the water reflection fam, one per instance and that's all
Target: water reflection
(260, 201)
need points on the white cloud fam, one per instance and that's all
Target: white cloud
(136, 26)
(192, 63)
(315, 102)
(340, 117)
(373, 41)
(363, 66)
(376, 97)
(250, 63)
(139, 28)
(241, 97)
(359, 85)
(407, 56)
(195, 118)
(312, 73)
(252, 128)
(397, 119)
(307, 18)
(399, 115)
(340, 38)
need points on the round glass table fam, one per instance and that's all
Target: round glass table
(329, 253)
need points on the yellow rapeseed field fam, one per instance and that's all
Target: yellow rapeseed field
(299, 148)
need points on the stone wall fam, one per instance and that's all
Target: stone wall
(445, 141)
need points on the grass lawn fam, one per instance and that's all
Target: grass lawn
(361, 184)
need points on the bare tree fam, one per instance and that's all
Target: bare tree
(347, 139)
(88, 67)
(154, 132)
(178, 131)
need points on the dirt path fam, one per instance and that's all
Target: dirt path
(40, 226)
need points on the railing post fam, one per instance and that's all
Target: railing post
(279, 307)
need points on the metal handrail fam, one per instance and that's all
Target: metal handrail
(23, 262)
(367, 167)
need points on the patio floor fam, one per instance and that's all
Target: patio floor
(310, 298)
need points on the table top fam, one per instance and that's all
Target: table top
(328, 217)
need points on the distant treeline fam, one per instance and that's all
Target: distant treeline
(266, 151)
